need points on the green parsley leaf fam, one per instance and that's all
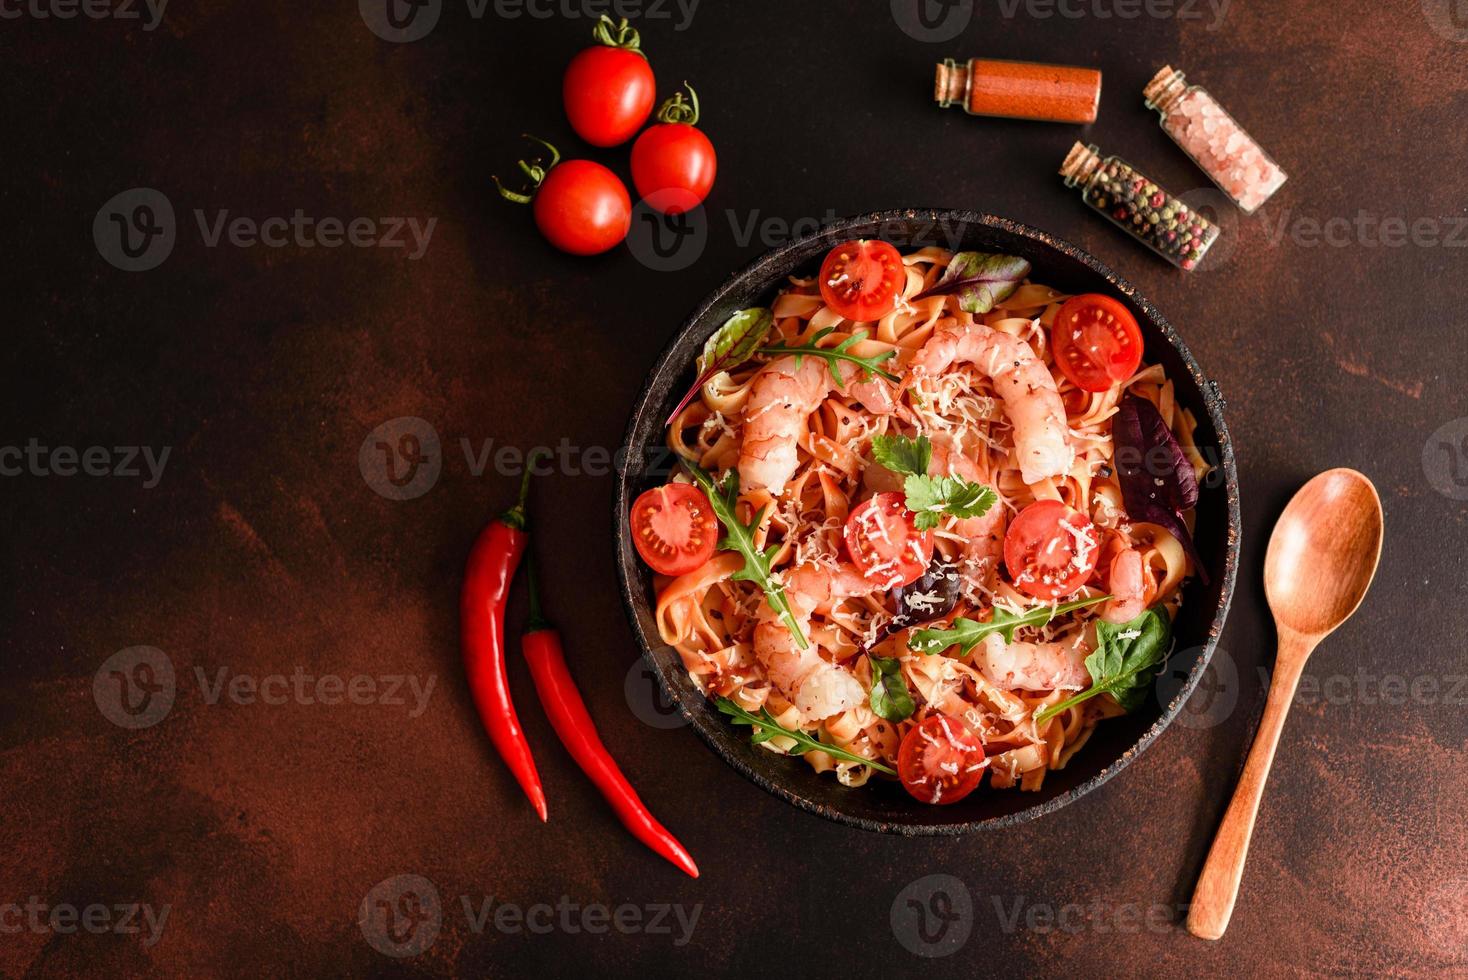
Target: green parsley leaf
(900, 454)
(766, 728)
(930, 497)
(968, 633)
(1124, 662)
(890, 697)
(739, 537)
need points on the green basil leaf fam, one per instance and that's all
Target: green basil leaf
(1125, 661)
(900, 454)
(890, 697)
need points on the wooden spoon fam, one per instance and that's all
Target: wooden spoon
(1321, 560)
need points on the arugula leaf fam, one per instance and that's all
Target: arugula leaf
(833, 356)
(1124, 662)
(767, 728)
(730, 346)
(968, 633)
(900, 454)
(980, 279)
(930, 497)
(739, 537)
(890, 697)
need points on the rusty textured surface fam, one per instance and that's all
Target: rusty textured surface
(263, 549)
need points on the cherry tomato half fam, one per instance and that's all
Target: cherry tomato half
(1097, 341)
(674, 528)
(582, 207)
(862, 280)
(1050, 550)
(885, 544)
(609, 89)
(940, 760)
(673, 163)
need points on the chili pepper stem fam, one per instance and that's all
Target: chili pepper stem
(515, 517)
(537, 621)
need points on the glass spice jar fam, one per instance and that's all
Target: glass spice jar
(1216, 142)
(1138, 205)
(1019, 90)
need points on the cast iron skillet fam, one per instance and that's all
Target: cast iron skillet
(883, 806)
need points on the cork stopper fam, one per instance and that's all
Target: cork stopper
(1164, 88)
(1080, 163)
(950, 83)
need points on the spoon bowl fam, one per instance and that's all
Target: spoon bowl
(1324, 553)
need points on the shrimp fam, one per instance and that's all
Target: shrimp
(1031, 399)
(817, 687)
(1034, 666)
(782, 397)
(1128, 583)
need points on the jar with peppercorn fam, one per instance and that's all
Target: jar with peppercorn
(1136, 204)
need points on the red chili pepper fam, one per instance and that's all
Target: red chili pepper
(568, 715)
(487, 578)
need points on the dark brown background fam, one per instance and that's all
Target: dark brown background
(264, 549)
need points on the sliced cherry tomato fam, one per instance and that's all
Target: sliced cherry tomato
(885, 543)
(1050, 550)
(583, 208)
(673, 164)
(941, 760)
(861, 280)
(674, 528)
(1097, 341)
(609, 89)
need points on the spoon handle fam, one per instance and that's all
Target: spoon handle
(1218, 886)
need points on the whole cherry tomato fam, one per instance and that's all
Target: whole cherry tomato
(609, 89)
(580, 207)
(673, 163)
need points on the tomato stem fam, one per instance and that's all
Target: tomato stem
(534, 170)
(614, 35)
(675, 110)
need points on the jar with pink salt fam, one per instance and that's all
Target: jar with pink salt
(1228, 155)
